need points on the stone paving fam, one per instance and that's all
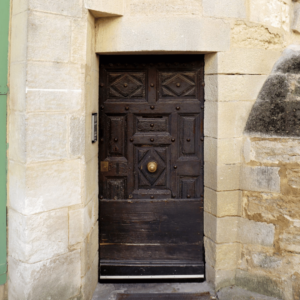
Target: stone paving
(110, 291)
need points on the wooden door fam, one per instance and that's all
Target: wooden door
(151, 166)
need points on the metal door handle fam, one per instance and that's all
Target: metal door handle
(152, 166)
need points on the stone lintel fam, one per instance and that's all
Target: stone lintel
(162, 35)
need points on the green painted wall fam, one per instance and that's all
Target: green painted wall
(4, 29)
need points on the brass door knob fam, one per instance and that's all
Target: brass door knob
(152, 166)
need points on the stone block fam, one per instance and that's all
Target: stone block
(59, 183)
(89, 250)
(220, 278)
(54, 101)
(293, 178)
(38, 237)
(71, 8)
(46, 136)
(17, 137)
(48, 37)
(91, 178)
(296, 21)
(260, 179)
(4, 292)
(224, 9)
(53, 76)
(259, 283)
(265, 261)
(241, 61)
(273, 13)
(226, 119)
(18, 86)
(289, 240)
(90, 280)
(165, 7)
(195, 34)
(255, 36)
(233, 87)
(222, 177)
(19, 6)
(223, 151)
(19, 28)
(79, 40)
(103, 8)
(57, 278)
(222, 256)
(272, 151)
(222, 204)
(251, 232)
(81, 221)
(221, 230)
(77, 135)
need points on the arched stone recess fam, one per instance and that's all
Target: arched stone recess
(270, 183)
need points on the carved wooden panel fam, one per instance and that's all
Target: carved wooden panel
(116, 188)
(146, 178)
(188, 134)
(188, 186)
(126, 85)
(116, 129)
(152, 124)
(178, 84)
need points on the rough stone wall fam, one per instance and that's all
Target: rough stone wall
(53, 185)
(271, 183)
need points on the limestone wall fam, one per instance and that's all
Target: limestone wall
(250, 201)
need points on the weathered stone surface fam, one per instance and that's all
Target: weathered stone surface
(226, 119)
(221, 230)
(289, 240)
(233, 87)
(63, 7)
(296, 286)
(222, 177)
(271, 13)
(91, 178)
(228, 9)
(259, 283)
(53, 101)
(271, 206)
(59, 184)
(81, 221)
(166, 7)
(77, 135)
(57, 278)
(220, 278)
(296, 21)
(48, 37)
(237, 293)
(251, 232)
(221, 204)
(173, 34)
(38, 237)
(222, 256)
(276, 111)
(90, 280)
(89, 250)
(79, 40)
(241, 61)
(272, 151)
(263, 260)
(222, 151)
(55, 76)
(293, 178)
(46, 137)
(260, 179)
(254, 36)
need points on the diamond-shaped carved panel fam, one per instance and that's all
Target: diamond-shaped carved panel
(126, 85)
(178, 84)
(157, 178)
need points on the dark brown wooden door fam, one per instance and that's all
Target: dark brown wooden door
(151, 166)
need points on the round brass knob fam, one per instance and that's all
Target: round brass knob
(152, 166)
